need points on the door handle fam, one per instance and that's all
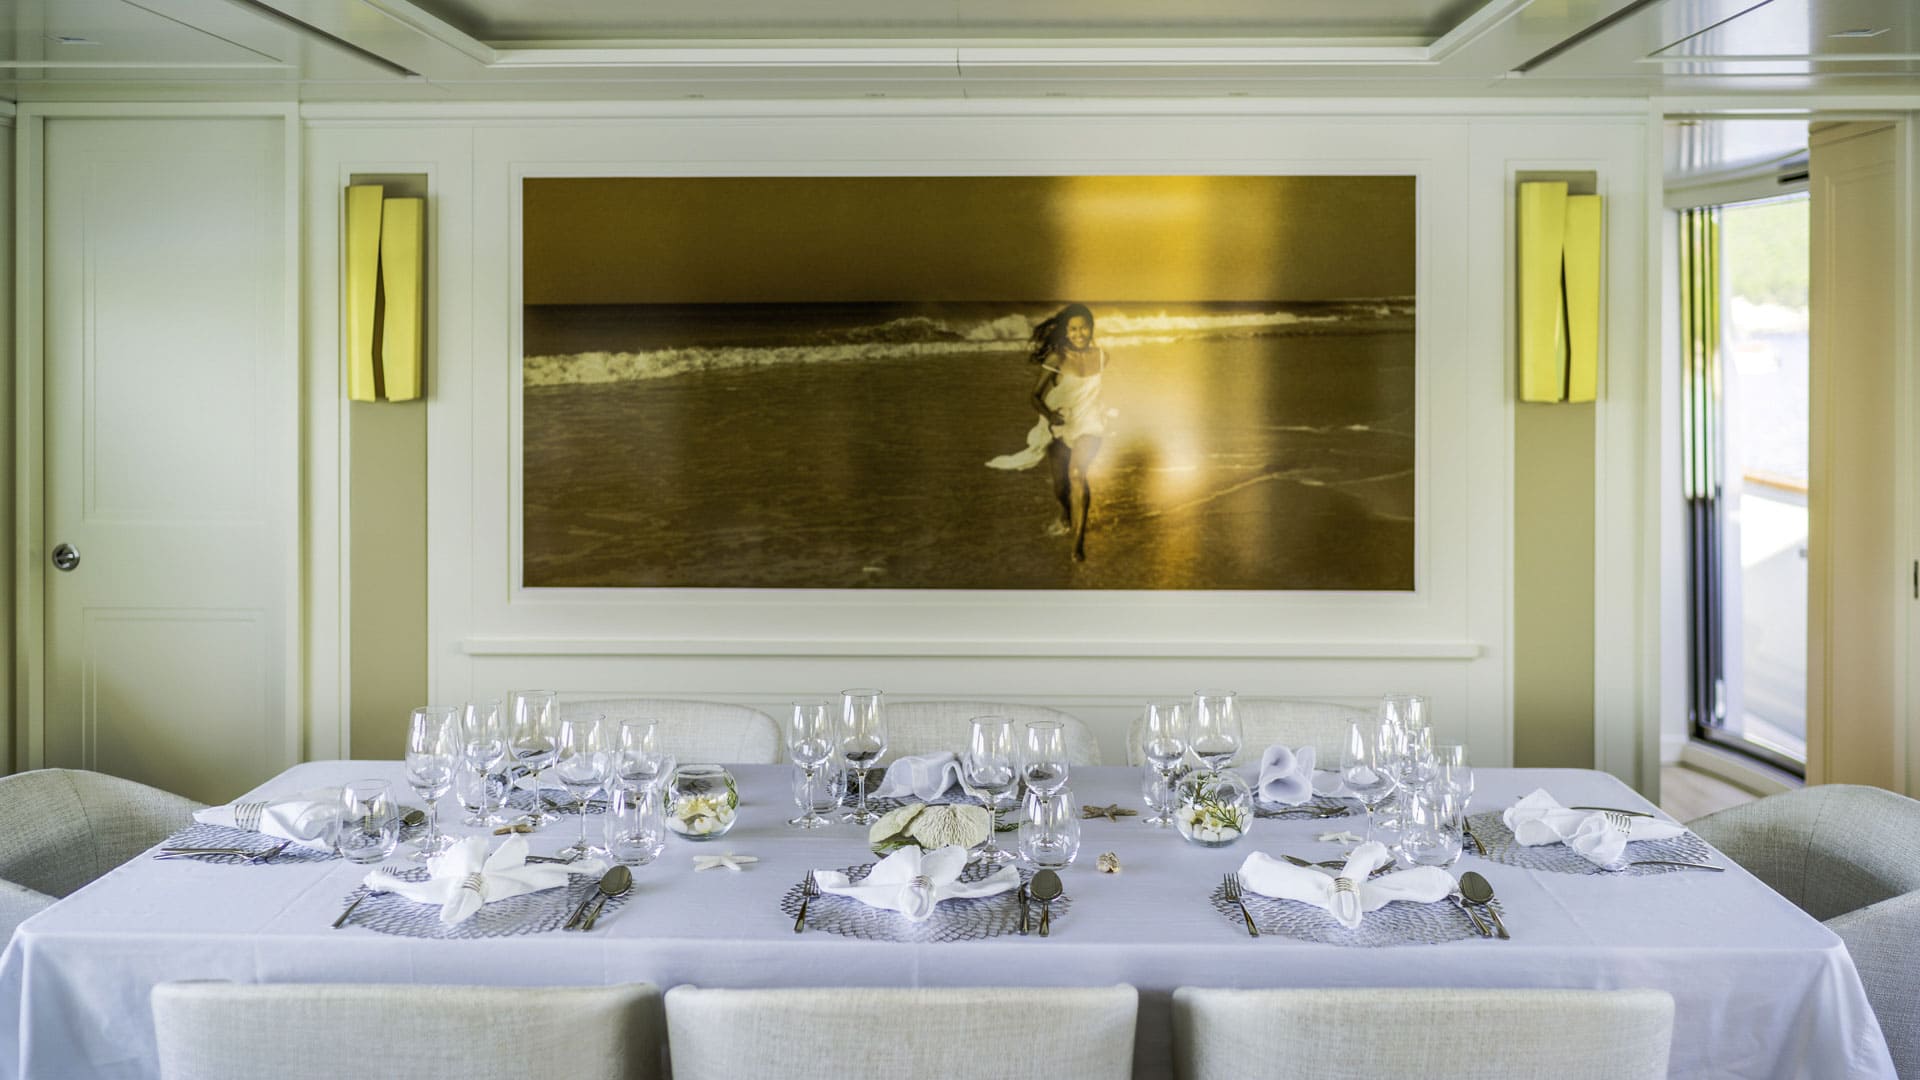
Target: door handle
(66, 557)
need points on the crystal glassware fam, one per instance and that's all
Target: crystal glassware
(483, 750)
(1044, 766)
(369, 822)
(1050, 835)
(582, 763)
(1213, 732)
(433, 753)
(815, 794)
(863, 739)
(1164, 744)
(1451, 769)
(637, 759)
(811, 741)
(987, 768)
(635, 831)
(1431, 832)
(1365, 765)
(702, 802)
(530, 742)
(1213, 807)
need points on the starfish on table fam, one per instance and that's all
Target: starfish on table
(735, 863)
(1111, 813)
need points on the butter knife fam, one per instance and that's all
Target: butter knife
(1023, 907)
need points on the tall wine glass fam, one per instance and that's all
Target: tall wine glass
(1045, 765)
(1164, 743)
(581, 764)
(433, 751)
(531, 743)
(1214, 732)
(988, 768)
(863, 738)
(483, 749)
(638, 761)
(811, 741)
(1365, 764)
(1452, 771)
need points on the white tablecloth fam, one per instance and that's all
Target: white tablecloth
(1762, 990)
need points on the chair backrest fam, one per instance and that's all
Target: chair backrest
(956, 1034)
(1884, 941)
(321, 1031)
(922, 727)
(18, 904)
(695, 730)
(1432, 1034)
(1829, 849)
(1297, 722)
(66, 827)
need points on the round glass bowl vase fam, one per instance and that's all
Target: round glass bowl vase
(1213, 808)
(702, 802)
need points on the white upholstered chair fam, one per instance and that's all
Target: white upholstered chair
(695, 730)
(1431, 1034)
(922, 727)
(955, 1034)
(1850, 856)
(1297, 722)
(323, 1031)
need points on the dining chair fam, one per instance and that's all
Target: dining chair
(66, 827)
(957, 1034)
(923, 727)
(695, 730)
(321, 1031)
(1429, 1033)
(1849, 856)
(1321, 724)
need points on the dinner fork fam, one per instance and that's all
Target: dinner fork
(251, 855)
(1233, 896)
(808, 890)
(342, 920)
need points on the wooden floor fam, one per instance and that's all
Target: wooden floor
(1687, 794)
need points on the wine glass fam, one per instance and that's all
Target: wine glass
(369, 824)
(987, 767)
(1215, 731)
(863, 738)
(1045, 765)
(580, 763)
(1049, 838)
(531, 744)
(637, 760)
(1164, 743)
(1365, 766)
(433, 749)
(483, 749)
(811, 740)
(1452, 770)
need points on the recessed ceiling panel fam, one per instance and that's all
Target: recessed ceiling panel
(106, 34)
(1847, 31)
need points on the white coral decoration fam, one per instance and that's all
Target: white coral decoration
(930, 827)
(700, 815)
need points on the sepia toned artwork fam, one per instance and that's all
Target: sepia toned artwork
(1073, 382)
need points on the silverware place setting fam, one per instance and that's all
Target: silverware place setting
(615, 882)
(1232, 883)
(1478, 891)
(808, 890)
(251, 855)
(1045, 888)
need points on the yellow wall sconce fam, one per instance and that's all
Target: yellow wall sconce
(386, 294)
(1559, 283)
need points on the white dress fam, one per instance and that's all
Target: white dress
(1077, 399)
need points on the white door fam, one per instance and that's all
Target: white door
(171, 452)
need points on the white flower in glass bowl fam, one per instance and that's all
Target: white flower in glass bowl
(1213, 808)
(701, 802)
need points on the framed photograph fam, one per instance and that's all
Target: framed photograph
(1066, 382)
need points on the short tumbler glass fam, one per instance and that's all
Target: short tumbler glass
(369, 822)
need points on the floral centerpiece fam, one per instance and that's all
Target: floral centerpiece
(928, 827)
(1213, 808)
(701, 802)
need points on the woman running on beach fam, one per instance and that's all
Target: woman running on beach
(1067, 435)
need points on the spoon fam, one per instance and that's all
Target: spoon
(618, 881)
(1046, 889)
(612, 882)
(1480, 893)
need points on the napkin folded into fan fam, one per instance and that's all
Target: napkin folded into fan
(891, 883)
(1286, 776)
(925, 777)
(307, 821)
(464, 877)
(1602, 840)
(1269, 876)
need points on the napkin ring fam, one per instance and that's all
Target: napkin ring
(921, 881)
(247, 815)
(478, 883)
(1345, 885)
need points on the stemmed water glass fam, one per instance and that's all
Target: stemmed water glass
(433, 751)
(581, 764)
(987, 767)
(1366, 766)
(531, 743)
(1164, 743)
(637, 760)
(811, 741)
(1214, 733)
(1045, 764)
(483, 749)
(862, 738)
(1451, 770)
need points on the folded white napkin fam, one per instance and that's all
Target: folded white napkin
(1286, 776)
(305, 820)
(464, 877)
(1269, 876)
(1329, 782)
(1538, 819)
(891, 884)
(925, 777)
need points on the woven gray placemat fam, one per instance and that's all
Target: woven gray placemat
(1399, 923)
(558, 802)
(198, 835)
(1561, 859)
(528, 913)
(953, 920)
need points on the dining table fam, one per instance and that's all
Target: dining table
(1761, 990)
